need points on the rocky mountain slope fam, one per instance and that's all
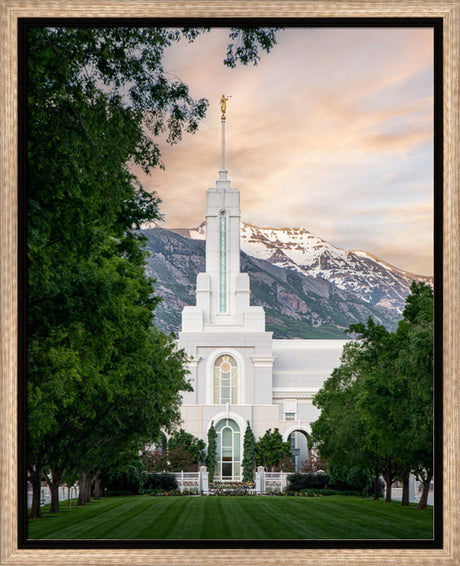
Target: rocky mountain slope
(357, 272)
(308, 288)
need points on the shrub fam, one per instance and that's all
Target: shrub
(161, 481)
(344, 478)
(109, 493)
(130, 479)
(310, 480)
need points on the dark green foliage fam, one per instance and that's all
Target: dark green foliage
(102, 380)
(130, 479)
(174, 460)
(211, 456)
(271, 449)
(377, 406)
(162, 481)
(310, 480)
(249, 452)
(246, 42)
(192, 446)
(311, 492)
(345, 478)
(189, 443)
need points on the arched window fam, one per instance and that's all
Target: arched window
(225, 380)
(228, 450)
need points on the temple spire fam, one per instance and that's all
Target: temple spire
(223, 107)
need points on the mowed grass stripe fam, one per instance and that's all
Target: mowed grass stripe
(79, 522)
(318, 521)
(149, 520)
(390, 524)
(146, 517)
(114, 517)
(253, 521)
(349, 516)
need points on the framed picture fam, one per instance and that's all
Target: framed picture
(361, 23)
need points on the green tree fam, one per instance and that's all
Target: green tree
(415, 361)
(100, 377)
(379, 399)
(130, 477)
(271, 449)
(211, 456)
(249, 454)
(191, 445)
(341, 435)
(376, 409)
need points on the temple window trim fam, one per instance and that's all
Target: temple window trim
(225, 380)
(240, 361)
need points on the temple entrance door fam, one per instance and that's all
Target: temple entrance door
(298, 440)
(228, 450)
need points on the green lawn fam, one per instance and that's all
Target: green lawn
(146, 517)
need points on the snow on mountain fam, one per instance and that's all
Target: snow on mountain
(296, 305)
(355, 271)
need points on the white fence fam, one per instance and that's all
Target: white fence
(415, 491)
(65, 494)
(268, 482)
(195, 482)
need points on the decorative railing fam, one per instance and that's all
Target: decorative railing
(268, 482)
(194, 482)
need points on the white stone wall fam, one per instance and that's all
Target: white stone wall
(275, 376)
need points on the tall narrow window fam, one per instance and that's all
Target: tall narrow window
(223, 262)
(225, 380)
(228, 450)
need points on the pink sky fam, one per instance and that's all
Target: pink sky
(331, 131)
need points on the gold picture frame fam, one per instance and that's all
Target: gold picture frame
(11, 12)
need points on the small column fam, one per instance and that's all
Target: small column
(412, 490)
(204, 480)
(260, 480)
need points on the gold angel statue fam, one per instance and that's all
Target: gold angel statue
(223, 105)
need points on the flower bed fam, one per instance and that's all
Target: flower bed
(231, 488)
(162, 492)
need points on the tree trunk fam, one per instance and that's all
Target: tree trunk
(88, 488)
(388, 476)
(426, 490)
(82, 489)
(405, 493)
(53, 479)
(97, 488)
(376, 484)
(388, 484)
(35, 476)
(54, 489)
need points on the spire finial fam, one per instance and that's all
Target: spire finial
(223, 105)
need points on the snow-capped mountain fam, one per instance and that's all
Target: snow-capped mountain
(357, 272)
(308, 288)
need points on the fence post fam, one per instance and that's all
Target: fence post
(182, 481)
(260, 480)
(412, 494)
(204, 483)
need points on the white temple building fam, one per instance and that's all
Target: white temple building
(238, 372)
